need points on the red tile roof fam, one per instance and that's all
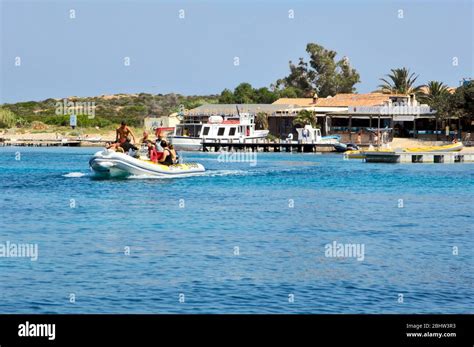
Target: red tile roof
(342, 100)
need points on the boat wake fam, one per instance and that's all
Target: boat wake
(229, 173)
(209, 173)
(75, 174)
(214, 173)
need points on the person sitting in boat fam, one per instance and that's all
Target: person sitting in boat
(152, 152)
(159, 149)
(146, 139)
(174, 155)
(167, 158)
(114, 146)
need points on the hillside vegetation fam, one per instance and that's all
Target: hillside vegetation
(109, 109)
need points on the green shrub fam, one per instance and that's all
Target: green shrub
(7, 118)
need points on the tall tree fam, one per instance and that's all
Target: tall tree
(463, 100)
(243, 94)
(323, 74)
(299, 79)
(462, 105)
(346, 77)
(226, 97)
(289, 92)
(400, 81)
(437, 96)
(264, 96)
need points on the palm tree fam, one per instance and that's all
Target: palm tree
(261, 121)
(305, 117)
(436, 95)
(400, 81)
(433, 91)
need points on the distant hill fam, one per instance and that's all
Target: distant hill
(109, 109)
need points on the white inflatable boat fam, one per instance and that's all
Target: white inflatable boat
(109, 163)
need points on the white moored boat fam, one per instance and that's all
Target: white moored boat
(308, 134)
(108, 163)
(223, 129)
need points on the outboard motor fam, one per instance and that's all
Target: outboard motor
(133, 153)
(143, 152)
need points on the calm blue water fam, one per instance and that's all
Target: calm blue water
(190, 250)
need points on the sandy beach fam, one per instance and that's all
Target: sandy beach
(63, 134)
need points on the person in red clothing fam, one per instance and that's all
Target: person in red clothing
(154, 155)
(152, 152)
(158, 148)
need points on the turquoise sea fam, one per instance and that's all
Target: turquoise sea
(241, 238)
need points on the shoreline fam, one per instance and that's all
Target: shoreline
(99, 137)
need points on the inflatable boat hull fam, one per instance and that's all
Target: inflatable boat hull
(113, 164)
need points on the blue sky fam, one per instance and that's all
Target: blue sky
(61, 57)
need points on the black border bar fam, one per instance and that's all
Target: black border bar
(308, 329)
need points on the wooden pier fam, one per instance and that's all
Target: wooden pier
(419, 157)
(51, 143)
(40, 143)
(268, 147)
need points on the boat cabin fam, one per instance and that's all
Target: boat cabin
(219, 127)
(231, 127)
(308, 134)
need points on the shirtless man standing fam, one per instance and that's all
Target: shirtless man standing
(122, 140)
(122, 137)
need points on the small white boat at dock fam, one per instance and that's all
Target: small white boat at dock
(311, 135)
